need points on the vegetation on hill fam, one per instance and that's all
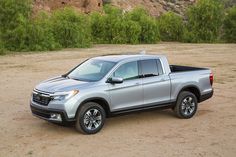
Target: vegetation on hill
(229, 26)
(206, 21)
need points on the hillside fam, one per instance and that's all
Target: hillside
(155, 7)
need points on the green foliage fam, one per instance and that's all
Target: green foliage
(67, 28)
(114, 27)
(12, 11)
(71, 29)
(230, 25)
(39, 34)
(171, 27)
(98, 28)
(2, 49)
(149, 28)
(133, 31)
(14, 17)
(204, 21)
(16, 39)
(104, 26)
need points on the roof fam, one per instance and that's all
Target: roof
(118, 58)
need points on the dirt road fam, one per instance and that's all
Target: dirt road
(212, 132)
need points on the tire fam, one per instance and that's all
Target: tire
(186, 105)
(90, 118)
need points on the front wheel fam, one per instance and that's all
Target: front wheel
(90, 118)
(186, 105)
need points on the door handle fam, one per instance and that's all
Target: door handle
(137, 83)
(164, 79)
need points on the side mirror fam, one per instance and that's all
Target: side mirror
(115, 80)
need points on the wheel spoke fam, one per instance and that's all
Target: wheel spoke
(186, 111)
(95, 111)
(96, 124)
(98, 117)
(185, 101)
(90, 125)
(86, 120)
(192, 104)
(190, 99)
(89, 113)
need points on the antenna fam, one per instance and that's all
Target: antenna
(143, 52)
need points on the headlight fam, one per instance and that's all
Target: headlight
(64, 95)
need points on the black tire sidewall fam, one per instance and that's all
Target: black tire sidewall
(83, 110)
(181, 97)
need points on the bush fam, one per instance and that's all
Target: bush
(149, 28)
(12, 11)
(104, 26)
(114, 27)
(14, 17)
(2, 49)
(16, 39)
(171, 27)
(133, 31)
(204, 21)
(230, 25)
(71, 29)
(98, 28)
(39, 34)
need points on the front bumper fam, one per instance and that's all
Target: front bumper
(46, 114)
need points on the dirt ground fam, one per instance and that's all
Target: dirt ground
(211, 132)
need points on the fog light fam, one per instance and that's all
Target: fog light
(55, 117)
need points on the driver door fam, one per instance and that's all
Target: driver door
(128, 94)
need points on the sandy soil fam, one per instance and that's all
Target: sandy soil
(212, 132)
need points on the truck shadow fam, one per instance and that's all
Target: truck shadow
(115, 121)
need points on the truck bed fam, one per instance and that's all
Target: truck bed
(179, 68)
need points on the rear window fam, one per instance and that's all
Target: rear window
(151, 67)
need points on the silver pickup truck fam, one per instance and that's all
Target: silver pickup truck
(104, 86)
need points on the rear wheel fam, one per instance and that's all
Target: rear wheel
(90, 118)
(186, 105)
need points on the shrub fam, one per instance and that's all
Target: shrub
(14, 17)
(39, 34)
(171, 27)
(204, 21)
(2, 49)
(16, 39)
(71, 29)
(98, 26)
(133, 31)
(114, 27)
(149, 28)
(230, 25)
(12, 11)
(104, 26)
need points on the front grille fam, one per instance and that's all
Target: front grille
(41, 98)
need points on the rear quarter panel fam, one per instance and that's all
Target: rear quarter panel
(198, 78)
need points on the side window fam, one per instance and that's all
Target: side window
(127, 71)
(149, 67)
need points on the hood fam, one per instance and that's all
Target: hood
(60, 84)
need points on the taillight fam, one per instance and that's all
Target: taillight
(211, 78)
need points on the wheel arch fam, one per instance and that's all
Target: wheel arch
(193, 89)
(100, 101)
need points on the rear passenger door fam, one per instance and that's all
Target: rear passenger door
(156, 84)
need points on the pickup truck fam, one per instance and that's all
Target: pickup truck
(105, 86)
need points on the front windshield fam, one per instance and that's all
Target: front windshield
(91, 70)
